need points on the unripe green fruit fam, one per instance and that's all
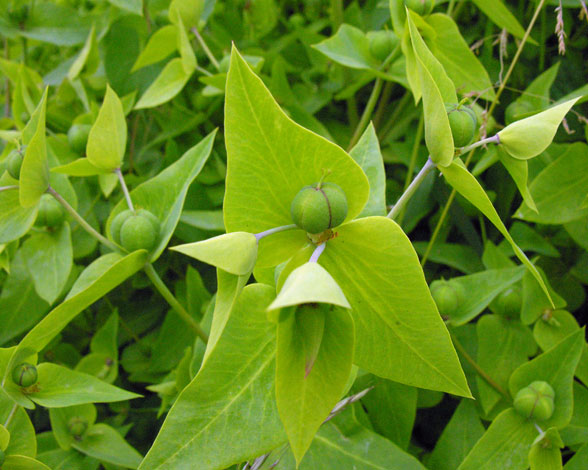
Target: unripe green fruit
(422, 7)
(297, 20)
(139, 231)
(117, 223)
(24, 375)
(319, 207)
(51, 213)
(463, 123)
(77, 136)
(509, 302)
(14, 163)
(535, 401)
(77, 426)
(448, 297)
(382, 43)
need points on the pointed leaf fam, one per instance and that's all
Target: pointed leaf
(234, 390)
(107, 141)
(84, 55)
(166, 86)
(234, 252)
(529, 137)
(502, 17)
(20, 462)
(307, 284)
(80, 167)
(545, 453)
(519, 171)
(305, 397)
(270, 158)
(15, 220)
(399, 333)
(185, 48)
(161, 44)
(467, 185)
(60, 419)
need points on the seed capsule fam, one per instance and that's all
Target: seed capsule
(77, 426)
(463, 123)
(535, 401)
(51, 213)
(319, 207)
(135, 230)
(14, 163)
(24, 375)
(448, 297)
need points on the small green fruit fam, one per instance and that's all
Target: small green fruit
(137, 231)
(77, 426)
(117, 223)
(77, 136)
(14, 163)
(24, 375)
(51, 213)
(535, 401)
(448, 297)
(297, 20)
(422, 7)
(382, 43)
(319, 207)
(463, 123)
(509, 302)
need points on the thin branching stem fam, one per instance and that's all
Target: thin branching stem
(125, 190)
(412, 187)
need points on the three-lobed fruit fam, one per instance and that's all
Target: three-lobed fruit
(509, 302)
(135, 230)
(77, 136)
(463, 123)
(448, 296)
(535, 401)
(422, 7)
(24, 375)
(319, 207)
(14, 162)
(51, 213)
(77, 426)
(382, 43)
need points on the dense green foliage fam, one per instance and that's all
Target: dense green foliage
(289, 234)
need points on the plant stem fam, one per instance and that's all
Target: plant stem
(80, 220)
(383, 104)
(336, 14)
(125, 190)
(495, 139)
(173, 302)
(412, 187)
(207, 51)
(10, 415)
(481, 372)
(8, 188)
(318, 251)
(271, 231)
(367, 113)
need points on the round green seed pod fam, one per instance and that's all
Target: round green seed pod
(422, 7)
(117, 223)
(77, 426)
(510, 302)
(14, 163)
(77, 136)
(382, 43)
(463, 123)
(24, 375)
(51, 214)
(139, 232)
(448, 297)
(319, 207)
(297, 20)
(536, 401)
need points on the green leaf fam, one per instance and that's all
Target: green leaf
(20, 462)
(87, 55)
(467, 185)
(234, 252)
(309, 283)
(107, 141)
(168, 84)
(437, 90)
(80, 167)
(132, 6)
(519, 172)
(461, 257)
(559, 190)
(164, 195)
(161, 44)
(529, 137)
(15, 220)
(378, 270)
(535, 302)
(34, 173)
(306, 391)
(59, 386)
(505, 444)
(49, 258)
(105, 444)
(461, 64)
(579, 460)
(186, 12)
(22, 432)
(556, 367)
(502, 17)
(350, 47)
(458, 438)
(99, 278)
(234, 389)
(270, 158)
(368, 156)
(545, 453)
(185, 48)
(60, 420)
